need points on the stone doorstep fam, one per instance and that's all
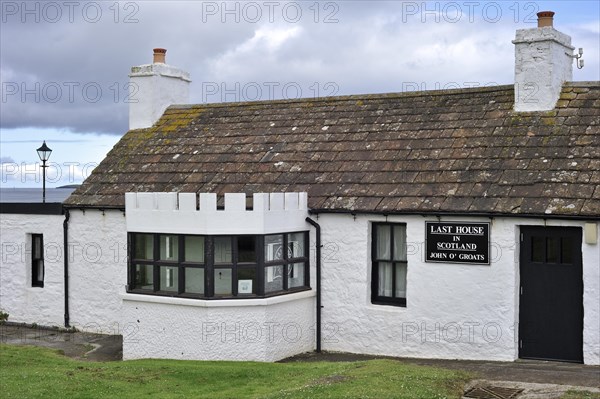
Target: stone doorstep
(530, 390)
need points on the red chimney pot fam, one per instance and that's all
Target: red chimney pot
(545, 18)
(159, 55)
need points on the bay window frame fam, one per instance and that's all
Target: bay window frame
(211, 268)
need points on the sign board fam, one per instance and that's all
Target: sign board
(457, 242)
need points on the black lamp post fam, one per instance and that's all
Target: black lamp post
(44, 153)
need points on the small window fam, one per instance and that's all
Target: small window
(223, 281)
(37, 260)
(194, 280)
(169, 248)
(194, 249)
(389, 264)
(553, 249)
(144, 246)
(274, 247)
(223, 253)
(246, 249)
(144, 277)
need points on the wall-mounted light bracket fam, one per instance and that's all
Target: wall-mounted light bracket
(577, 58)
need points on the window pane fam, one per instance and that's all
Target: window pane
(385, 279)
(37, 279)
(400, 280)
(194, 249)
(37, 247)
(399, 242)
(40, 270)
(246, 249)
(383, 242)
(296, 275)
(169, 278)
(553, 250)
(144, 246)
(567, 250)
(273, 278)
(223, 281)
(296, 245)
(144, 277)
(246, 281)
(169, 248)
(273, 246)
(194, 280)
(537, 249)
(223, 250)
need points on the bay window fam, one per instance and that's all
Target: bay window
(232, 266)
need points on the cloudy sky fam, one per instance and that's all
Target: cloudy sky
(64, 64)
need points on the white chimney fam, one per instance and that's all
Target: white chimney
(153, 88)
(543, 62)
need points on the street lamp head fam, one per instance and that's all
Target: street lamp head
(44, 152)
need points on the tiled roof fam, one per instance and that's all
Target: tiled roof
(461, 151)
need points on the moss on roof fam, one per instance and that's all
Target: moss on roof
(461, 150)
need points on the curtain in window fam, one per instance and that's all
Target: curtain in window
(400, 280)
(383, 242)
(385, 279)
(400, 243)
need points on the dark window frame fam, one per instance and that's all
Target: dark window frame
(287, 261)
(211, 268)
(37, 261)
(375, 298)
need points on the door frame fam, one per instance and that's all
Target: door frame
(525, 252)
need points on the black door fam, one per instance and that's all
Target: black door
(551, 300)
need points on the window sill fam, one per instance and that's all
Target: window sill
(219, 303)
(397, 304)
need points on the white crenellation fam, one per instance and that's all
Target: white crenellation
(542, 64)
(188, 213)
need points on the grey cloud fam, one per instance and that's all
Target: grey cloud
(374, 47)
(6, 160)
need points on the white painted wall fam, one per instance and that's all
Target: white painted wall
(480, 302)
(591, 301)
(542, 65)
(24, 303)
(153, 88)
(97, 270)
(176, 213)
(265, 330)
(453, 310)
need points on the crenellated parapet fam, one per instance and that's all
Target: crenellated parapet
(191, 213)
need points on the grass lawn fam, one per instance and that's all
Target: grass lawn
(33, 372)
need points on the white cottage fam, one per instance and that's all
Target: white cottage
(457, 224)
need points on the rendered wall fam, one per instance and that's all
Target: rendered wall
(261, 329)
(24, 303)
(542, 65)
(591, 301)
(453, 310)
(97, 270)
(177, 213)
(268, 329)
(153, 88)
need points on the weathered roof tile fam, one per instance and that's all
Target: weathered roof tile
(442, 151)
